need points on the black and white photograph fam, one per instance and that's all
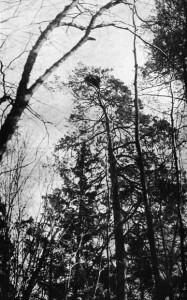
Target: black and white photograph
(93, 150)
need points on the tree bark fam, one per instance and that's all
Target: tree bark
(118, 225)
(27, 292)
(179, 201)
(24, 92)
(148, 214)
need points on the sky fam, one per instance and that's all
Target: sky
(113, 48)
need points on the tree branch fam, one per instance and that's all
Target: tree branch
(85, 37)
(24, 93)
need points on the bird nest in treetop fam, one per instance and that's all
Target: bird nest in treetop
(93, 80)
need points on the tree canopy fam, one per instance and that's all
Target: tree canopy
(112, 222)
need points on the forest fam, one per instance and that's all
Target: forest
(93, 179)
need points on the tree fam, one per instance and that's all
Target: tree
(98, 118)
(103, 121)
(21, 98)
(168, 61)
(168, 56)
(81, 237)
(24, 241)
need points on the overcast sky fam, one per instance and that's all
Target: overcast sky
(112, 48)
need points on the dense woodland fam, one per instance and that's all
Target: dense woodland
(115, 228)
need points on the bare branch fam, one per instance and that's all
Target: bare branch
(85, 37)
(24, 93)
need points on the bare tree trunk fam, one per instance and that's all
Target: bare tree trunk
(5, 268)
(148, 214)
(179, 201)
(184, 3)
(24, 92)
(118, 225)
(31, 283)
(50, 296)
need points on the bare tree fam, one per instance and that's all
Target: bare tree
(146, 202)
(25, 90)
(14, 190)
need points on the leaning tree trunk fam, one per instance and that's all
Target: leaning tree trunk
(24, 91)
